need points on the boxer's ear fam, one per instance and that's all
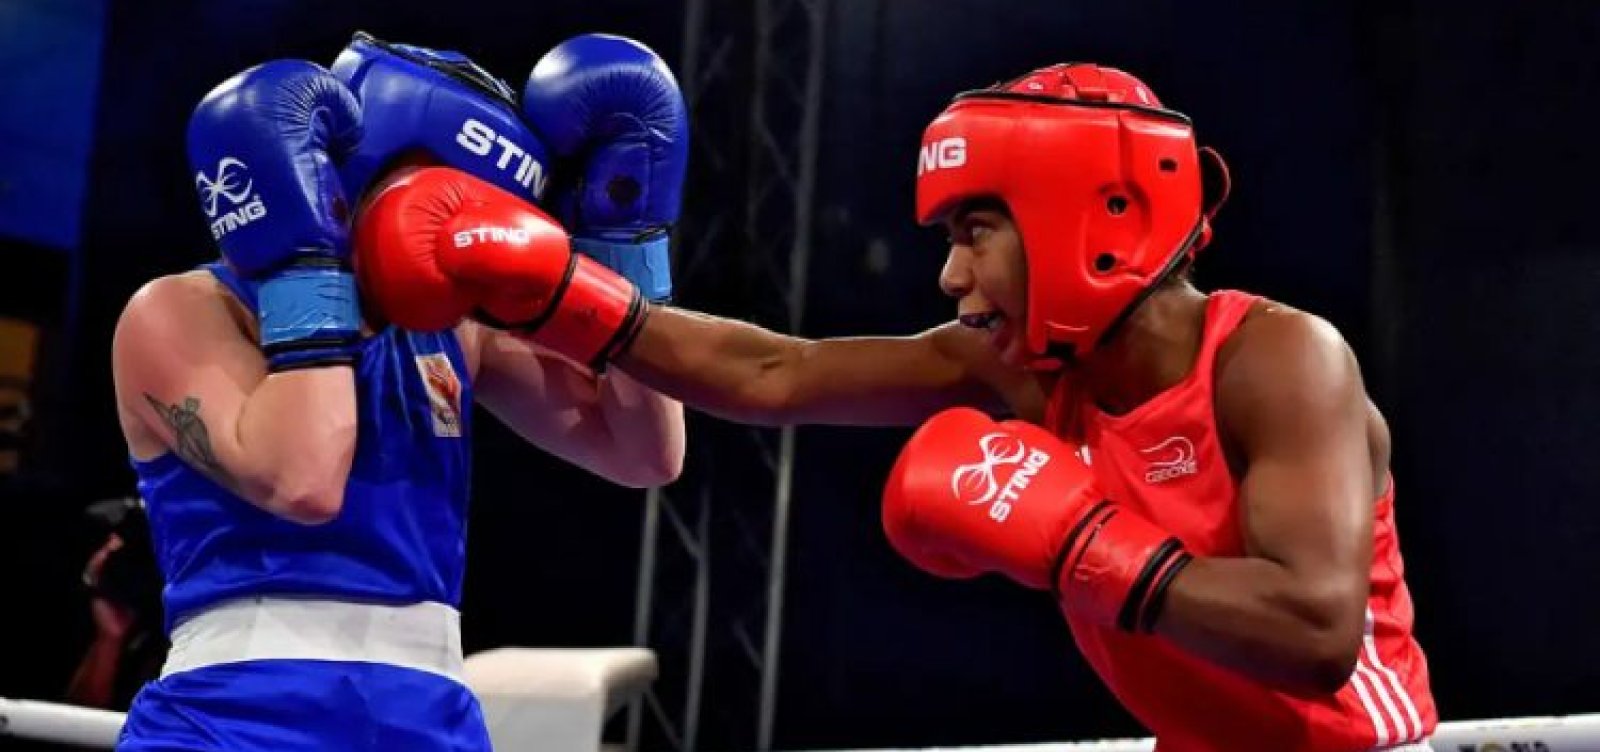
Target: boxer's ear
(1215, 181)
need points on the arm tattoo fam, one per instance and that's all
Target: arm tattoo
(190, 439)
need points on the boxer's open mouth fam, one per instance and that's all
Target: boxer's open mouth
(986, 320)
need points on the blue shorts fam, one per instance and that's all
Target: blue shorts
(283, 705)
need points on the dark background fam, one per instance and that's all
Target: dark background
(1421, 172)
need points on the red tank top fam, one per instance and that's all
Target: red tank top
(1164, 459)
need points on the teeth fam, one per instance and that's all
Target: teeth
(988, 320)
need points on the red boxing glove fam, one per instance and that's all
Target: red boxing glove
(437, 244)
(969, 495)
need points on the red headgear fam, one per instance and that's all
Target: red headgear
(1104, 184)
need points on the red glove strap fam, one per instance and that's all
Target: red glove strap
(595, 314)
(1115, 568)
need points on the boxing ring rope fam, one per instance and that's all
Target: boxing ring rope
(86, 727)
(1571, 733)
(54, 722)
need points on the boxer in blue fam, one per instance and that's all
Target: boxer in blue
(306, 467)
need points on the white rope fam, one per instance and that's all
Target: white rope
(1573, 733)
(87, 727)
(53, 722)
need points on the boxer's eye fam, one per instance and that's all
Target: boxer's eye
(959, 227)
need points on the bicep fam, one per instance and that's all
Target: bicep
(544, 398)
(610, 426)
(1308, 512)
(184, 370)
(470, 335)
(1297, 413)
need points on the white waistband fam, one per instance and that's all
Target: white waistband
(422, 636)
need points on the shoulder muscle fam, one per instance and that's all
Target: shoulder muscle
(1286, 376)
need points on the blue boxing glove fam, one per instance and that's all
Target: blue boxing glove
(613, 106)
(263, 146)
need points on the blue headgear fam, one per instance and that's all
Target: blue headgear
(441, 103)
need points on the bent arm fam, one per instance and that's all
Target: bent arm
(610, 425)
(190, 378)
(94, 681)
(744, 373)
(1291, 611)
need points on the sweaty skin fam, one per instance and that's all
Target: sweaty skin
(1309, 450)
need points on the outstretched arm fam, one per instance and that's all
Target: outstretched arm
(744, 373)
(532, 284)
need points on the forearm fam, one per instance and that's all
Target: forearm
(728, 368)
(294, 442)
(95, 677)
(747, 374)
(646, 428)
(1258, 618)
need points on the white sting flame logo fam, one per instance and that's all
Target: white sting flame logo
(980, 482)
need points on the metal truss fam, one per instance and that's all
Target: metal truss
(752, 73)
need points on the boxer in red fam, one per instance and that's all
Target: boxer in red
(1199, 480)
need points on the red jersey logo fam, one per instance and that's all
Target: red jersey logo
(1173, 458)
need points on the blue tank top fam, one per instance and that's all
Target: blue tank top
(401, 534)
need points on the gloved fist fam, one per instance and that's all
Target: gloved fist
(263, 145)
(969, 496)
(612, 106)
(435, 245)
